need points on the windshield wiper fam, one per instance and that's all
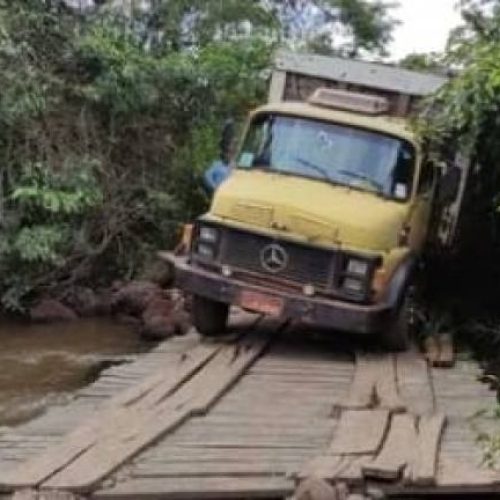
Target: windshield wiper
(356, 175)
(315, 167)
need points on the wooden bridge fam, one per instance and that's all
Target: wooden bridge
(254, 415)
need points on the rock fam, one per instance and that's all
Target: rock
(163, 318)
(134, 297)
(50, 310)
(315, 489)
(183, 321)
(104, 305)
(157, 319)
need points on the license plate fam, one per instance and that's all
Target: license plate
(260, 302)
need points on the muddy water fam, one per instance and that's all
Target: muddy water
(40, 365)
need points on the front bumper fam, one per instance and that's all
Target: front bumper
(339, 315)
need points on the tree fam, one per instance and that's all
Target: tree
(469, 106)
(481, 24)
(431, 62)
(110, 114)
(346, 27)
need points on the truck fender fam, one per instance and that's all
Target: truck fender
(400, 282)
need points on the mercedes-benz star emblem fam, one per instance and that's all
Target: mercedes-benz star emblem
(274, 258)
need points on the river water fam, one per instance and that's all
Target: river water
(40, 365)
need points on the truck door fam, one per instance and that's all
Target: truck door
(421, 209)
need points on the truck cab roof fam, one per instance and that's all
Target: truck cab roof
(390, 125)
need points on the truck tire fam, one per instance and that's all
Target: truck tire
(209, 316)
(396, 336)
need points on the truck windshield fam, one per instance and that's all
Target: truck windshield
(335, 153)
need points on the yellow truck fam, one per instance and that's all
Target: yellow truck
(330, 203)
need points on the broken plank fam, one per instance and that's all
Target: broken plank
(397, 451)
(360, 432)
(195, 398)
(427, 451)
(374, 384)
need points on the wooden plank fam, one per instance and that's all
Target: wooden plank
(456, 473)
(427, 452)
(347, 468)
(194, 398)
(164, 383)
(374, 384)
(360, 432)
(362, 390)
(261, 442)
(397, 451)
(414, 383)
(386, 390)
(201, 430)
(321, 467)
(83, 438)
(199, 488)
(235, 468)
(352, 471)
(165, 453)
(28, 494)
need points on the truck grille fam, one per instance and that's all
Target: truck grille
(305, 264)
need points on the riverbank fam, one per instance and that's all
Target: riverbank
(150, 309)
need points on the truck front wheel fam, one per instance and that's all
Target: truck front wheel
(396, 335)
(209, 316)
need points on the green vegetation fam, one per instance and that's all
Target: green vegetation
(109, 116)
(469, 105)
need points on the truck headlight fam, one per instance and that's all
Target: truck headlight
(208, 234)
(357, 267)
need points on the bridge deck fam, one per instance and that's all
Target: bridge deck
(277, 418)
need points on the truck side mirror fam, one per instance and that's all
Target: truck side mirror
(449, 185)
(226, 141)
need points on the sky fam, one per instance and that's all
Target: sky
(425, 26)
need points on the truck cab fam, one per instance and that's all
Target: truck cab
(322, 219)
